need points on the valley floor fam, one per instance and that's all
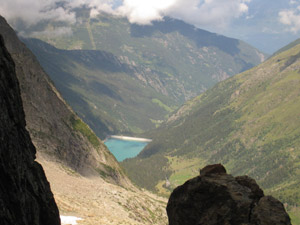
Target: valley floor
(98, 202)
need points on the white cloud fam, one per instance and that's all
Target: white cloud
(292, 2)
(269, 30)
(97, 6)
(52, 32)
(143, 12)
(210, 12)
(199, 12)
(33, 11)
(291, 18)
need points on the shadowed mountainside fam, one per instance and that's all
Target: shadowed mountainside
(57, 133)
(102, 89)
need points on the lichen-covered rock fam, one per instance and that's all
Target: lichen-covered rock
(25, 195)
(217, 198)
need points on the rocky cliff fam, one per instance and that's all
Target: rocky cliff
(216, 197)
(25, 195)
(57, 133)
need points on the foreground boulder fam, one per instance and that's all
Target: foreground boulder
(217, 198)
(25, 195)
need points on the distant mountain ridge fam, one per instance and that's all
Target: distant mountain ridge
(199, 36)
(170, 60)
(154, 47)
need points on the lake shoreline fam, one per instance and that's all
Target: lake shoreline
(127, 138)
(123, 147)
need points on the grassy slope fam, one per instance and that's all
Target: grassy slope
(250, 123)
(289, 46)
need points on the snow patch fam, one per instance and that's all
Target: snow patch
(69, 220)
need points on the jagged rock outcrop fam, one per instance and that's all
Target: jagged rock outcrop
(57, 133)
(217, 198)
(25, 195)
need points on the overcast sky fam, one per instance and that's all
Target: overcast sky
(266, 24)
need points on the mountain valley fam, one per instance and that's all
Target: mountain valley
(169, 81)
(126, 78)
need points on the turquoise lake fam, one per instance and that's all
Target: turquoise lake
(122, 149)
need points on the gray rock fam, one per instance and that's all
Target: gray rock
(270, 211)
(217, 198)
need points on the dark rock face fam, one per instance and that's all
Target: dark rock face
(25, 195)
(216, 198)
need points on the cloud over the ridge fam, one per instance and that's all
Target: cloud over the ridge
(143, 12)
(198, 12)
(52, 32)
(32, 11)
(291, 18)
(209, 12)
